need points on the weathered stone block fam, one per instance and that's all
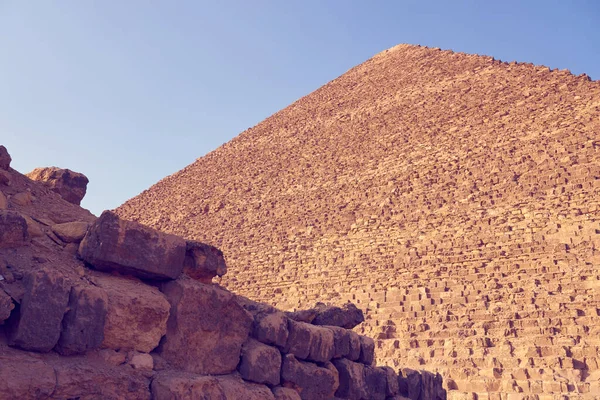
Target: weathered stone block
(6, 306)
(36, 325)
(271, 329)
(283, 393)
(309, 380)
(348, 316)
(13, 229)
(137, 314)
(203, 262)
(392, 388)
(70, 185)
(310, 342)
(206, 329)
(346, 343)
(375, 382)
(83, 324)
(367, 350)
(5, 158)
(180, 385)
(26, 379)
(260, 363)
(132, 248)
(352, 379)
(71, 232)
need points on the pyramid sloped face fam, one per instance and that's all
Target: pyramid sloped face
(452, 196)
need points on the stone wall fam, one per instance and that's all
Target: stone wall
(132, 313)
(453, 197)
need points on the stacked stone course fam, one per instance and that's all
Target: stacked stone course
(452, 197)
(132, 313)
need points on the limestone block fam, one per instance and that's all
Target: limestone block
(203, 262)
(283, 393)
(206, 329)
(71, 232)
(271, 329)
(310, 381)
(137, 314)
(260, 363)
(367, 350)
(132, 248)
(70, 185)
(352, 379)
(348, 316)
(310, 342)
(13, 229)
(83, 324)
(181, 385)
(346, 343)
(36, 325)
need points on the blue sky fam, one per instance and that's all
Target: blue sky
(129, 92)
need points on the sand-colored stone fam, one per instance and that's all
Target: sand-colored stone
(452, 197)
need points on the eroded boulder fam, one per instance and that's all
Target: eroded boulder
(271, 329)
(36, 324)
(346, 343)
(181, 385)
(26, 379)
(13, 229)
(83, 324)
(260, 363)
(309, 342)
(206, 329)
(137, 314)
(70, 185)
(283, 393)
(6, 306)
(71, 232)
(203, 262)
(309, 380)
(352, 379)
(348, 316)
(5, 158)
(132, 248)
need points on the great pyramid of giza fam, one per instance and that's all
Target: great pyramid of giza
(453, 197)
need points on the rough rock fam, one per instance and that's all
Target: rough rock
(83, 324)
(392, 387)
(409, 384)
(203, 262)
(22, 199)
(131, 248)
(6, 306)
(206, 329)
(3, 201)
(34, 229)
(352, 379)
(5, 158)
(26, 379)
(260, 363)
(180, 386)
(13, 229)
(70, 185)
(302, 315)
(5, 178)
(309, 380)
(83, 379)
(309, 342)
(283, 393)
(346, 343)
(271, 329)
(71, 232)
(36, 324)
(137, 314)
(367, 350)
(142, 361)
(348, 316)
(376, 382)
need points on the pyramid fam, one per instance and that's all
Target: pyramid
(453, 197)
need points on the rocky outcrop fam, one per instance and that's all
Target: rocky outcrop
(203, 262)
(70, 185)
(112, 244)
(206, 328)
(13, 229)
(5, 158)
(137, 316)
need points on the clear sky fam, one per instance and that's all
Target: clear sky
(128, 92)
